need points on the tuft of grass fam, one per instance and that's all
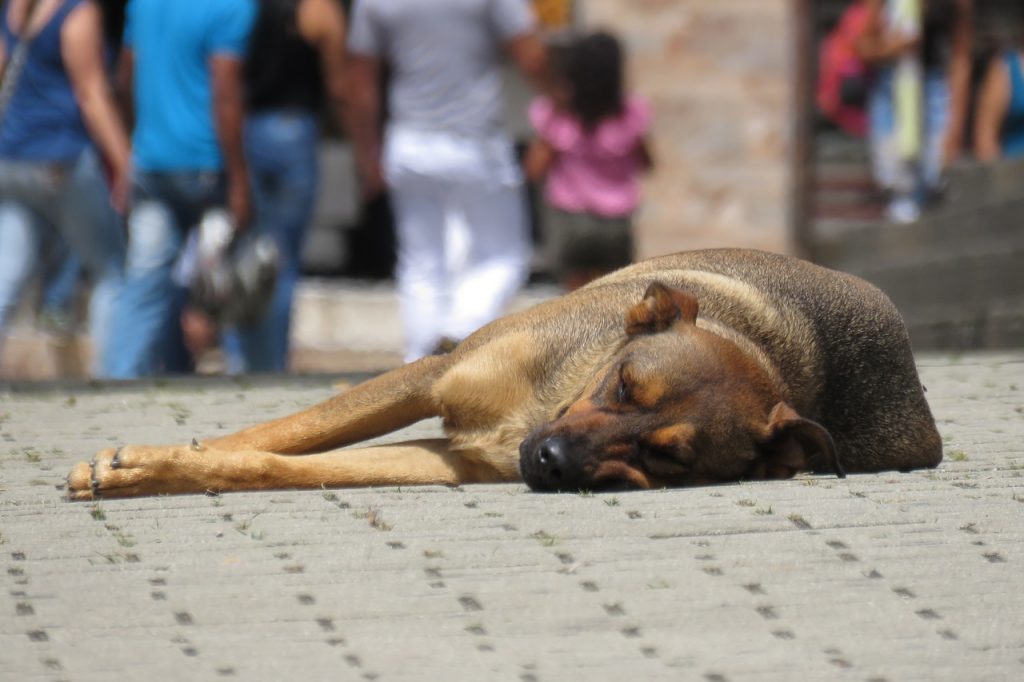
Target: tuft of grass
(746, 502)
(545, 538)
(180, 412)
(612, 501)
(958, 456)
(245, 526)
(764, 511)
(97, 513)
(124, 540)
(799, 521)
(375, 518)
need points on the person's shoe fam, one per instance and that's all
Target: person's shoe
(903, 211)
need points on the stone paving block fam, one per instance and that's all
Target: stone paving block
(892, 576)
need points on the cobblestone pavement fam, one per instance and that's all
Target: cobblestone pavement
(878, 577)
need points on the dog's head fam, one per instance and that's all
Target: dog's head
(677, 406)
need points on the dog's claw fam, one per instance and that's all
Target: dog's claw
(115, 463)
(195, 444)
(93, 482)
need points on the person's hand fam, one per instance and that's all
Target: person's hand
(120, 189)
(900, 44)
(239, 201)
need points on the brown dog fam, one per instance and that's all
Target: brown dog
(694, 368)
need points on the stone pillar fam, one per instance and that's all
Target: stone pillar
(720, 76)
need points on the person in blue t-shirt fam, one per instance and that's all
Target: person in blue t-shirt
(182, 62)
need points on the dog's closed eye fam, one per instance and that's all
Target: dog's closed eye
(624, 388)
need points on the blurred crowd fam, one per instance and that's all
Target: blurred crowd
(903, 73)
(133, 132)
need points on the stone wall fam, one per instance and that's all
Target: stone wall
(957, 275)
(719, 74)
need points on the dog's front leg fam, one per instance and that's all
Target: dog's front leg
(381, 405)
(144, 470)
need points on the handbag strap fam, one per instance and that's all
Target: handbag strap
(15, 63)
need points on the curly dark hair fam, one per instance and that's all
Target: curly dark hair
(593, 68)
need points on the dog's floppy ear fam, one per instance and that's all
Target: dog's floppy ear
(661, 307)
(792, 443)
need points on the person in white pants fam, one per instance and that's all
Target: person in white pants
(445, 157)
(437, 182)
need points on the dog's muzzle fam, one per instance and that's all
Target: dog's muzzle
(547, 465)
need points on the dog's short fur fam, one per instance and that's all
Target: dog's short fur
(694, 368)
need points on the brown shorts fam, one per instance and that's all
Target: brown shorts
(575, 242)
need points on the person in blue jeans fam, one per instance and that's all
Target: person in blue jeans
(910, 185)
(182, 64)
(61, 279)
(942, 48)
(999, 122)
(295, 65)
(56, 103)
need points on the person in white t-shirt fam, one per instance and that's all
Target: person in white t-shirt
(445, 156)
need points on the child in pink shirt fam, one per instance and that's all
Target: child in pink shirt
(592, 148)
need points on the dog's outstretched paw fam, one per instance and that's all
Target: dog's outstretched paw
(135, 470)
(80, 482)
(111, 473)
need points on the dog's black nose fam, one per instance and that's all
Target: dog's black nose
(553, 468)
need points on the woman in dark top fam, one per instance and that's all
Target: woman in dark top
(295, 66)
(941, 47)
(999, 123)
